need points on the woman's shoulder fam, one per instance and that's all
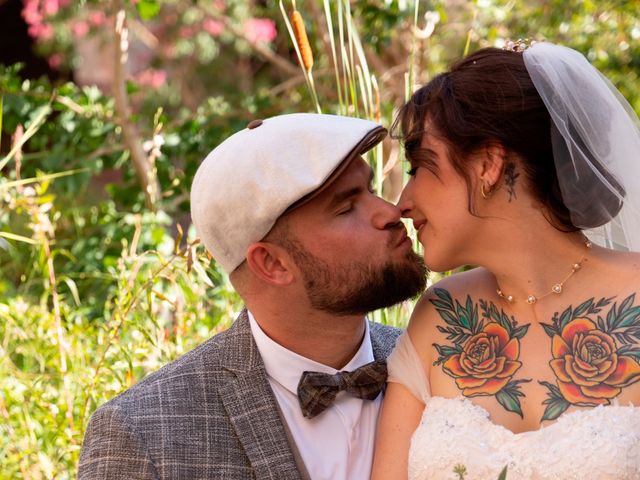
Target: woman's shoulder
(476, 282)
(445, 295)
(627, 261)
(472, 281)
(621, 269)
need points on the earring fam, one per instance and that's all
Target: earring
(484, 194)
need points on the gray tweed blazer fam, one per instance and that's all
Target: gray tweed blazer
(209, 414)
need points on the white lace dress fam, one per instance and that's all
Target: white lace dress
(595, 444)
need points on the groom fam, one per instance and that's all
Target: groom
(286, 208)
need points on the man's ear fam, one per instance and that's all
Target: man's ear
(270, 263)
(492, 163)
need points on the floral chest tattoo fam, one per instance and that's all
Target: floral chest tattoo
(595, 351)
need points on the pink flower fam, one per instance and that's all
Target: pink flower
(260, 30)
(55, 60)
(97, 18)
(152, 78)
(31, 12)
(50, 7)
(41, 31)
(213, 27)
(80, 29)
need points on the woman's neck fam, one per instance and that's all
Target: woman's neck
(528, 267)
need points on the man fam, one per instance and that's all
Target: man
(286, 207)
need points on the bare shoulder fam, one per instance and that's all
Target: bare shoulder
(622, 269)
(427, 317)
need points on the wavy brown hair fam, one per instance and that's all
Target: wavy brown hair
(488, 97)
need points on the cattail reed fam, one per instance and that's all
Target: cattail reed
(302, 40)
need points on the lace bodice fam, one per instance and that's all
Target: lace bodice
(596, 444)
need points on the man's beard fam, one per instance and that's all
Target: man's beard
(356, 288)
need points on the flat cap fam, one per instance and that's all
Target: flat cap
(248, 181)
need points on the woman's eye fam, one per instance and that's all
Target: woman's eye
(345, 210)
(412, 171)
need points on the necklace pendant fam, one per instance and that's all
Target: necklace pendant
(508, 298)
(557, 288)
(531, 299)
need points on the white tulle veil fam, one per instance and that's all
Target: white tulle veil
(596, 145)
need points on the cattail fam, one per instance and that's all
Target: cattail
(302, 40)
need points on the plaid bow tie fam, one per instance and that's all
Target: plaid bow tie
(317, 391)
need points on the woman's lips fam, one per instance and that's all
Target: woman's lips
(419, 224)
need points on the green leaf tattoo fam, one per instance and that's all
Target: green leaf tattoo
(508, 396)
(485, 351)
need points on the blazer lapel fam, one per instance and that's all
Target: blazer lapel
(252, 407)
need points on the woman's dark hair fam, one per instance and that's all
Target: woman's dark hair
(488, 97)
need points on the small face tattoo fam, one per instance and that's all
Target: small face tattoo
(510, 177)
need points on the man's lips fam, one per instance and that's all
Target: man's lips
(399, 237)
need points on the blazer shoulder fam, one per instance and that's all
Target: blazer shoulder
(383, 339)
(113, 449)
(380, 330)
(205, 368)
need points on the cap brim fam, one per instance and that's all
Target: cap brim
(369, 141)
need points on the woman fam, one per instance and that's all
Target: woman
(532, 360)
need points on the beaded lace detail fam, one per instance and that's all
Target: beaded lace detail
(595, 444)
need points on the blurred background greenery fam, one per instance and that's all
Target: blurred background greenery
(107, 108)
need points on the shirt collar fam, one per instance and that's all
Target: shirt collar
(286, 367)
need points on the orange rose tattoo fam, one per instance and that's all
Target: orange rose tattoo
(593, 358)
(484, 355)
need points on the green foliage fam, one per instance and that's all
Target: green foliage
(148, 9)
(96, 290)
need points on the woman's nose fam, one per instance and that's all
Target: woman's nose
(405, 202)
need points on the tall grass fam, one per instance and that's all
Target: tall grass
(91, 298)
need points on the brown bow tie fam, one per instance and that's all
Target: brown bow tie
(317, 391)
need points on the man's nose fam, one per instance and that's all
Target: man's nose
(386, 215)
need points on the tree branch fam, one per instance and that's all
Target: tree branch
(145, 169)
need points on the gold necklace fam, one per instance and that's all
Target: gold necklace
(557, 288)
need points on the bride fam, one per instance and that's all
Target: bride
(525, 162)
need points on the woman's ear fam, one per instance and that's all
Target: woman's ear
(492, 164)
(270, 263)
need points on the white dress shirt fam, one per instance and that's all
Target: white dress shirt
(338, 443)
